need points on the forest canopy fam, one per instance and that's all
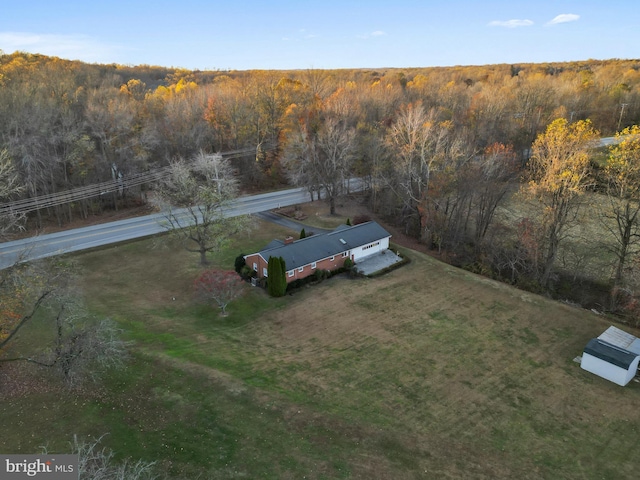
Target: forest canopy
(67, 124)
(440, 149)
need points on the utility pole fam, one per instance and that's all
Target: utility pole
(621, 112)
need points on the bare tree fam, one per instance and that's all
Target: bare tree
(24, 287)
(420, 143)
(318, 83)
(10, 187)
(321, 156)
(335, 143)
(194, 197)
(220, 286)
(82, 346)
(98, 463)
(491, 176)
(372, 153)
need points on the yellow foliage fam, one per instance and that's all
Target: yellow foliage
(418, 82)
(623, 163)
(184, 86)
(559, 164)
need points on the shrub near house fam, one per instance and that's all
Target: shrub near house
(321, 252)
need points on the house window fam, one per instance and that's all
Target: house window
(345, 254)
(301, 269)
(333, 258)
(371, 246)
(291, 273)
(255, 267)
(264, 272)
(313, 265)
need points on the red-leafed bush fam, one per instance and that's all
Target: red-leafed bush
(219, 286)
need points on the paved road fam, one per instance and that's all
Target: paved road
(104, 234)
(132, 228)
(606, 141)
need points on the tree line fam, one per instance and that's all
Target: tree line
(68, 124)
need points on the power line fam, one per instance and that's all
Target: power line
(21, 207)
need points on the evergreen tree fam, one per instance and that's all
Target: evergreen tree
(282, 287)
(303, 234)
(276, 277)
(271, 276)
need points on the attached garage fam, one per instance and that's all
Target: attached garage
(610, 362)
(369, 249)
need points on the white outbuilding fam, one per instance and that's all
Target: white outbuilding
(614, 356)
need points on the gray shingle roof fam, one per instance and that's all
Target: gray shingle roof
(320, 246)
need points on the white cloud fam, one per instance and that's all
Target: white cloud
(563, 18)
(511, 23)
(377, 33)
(74, 47)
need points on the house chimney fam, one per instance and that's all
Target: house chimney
(288, 240)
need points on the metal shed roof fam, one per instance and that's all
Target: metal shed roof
(317, 247)
(622, 339)
(610, 353)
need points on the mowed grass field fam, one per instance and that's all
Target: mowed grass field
(426, 372)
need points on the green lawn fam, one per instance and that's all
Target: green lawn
(426, 372)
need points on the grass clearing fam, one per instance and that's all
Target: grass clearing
(585, 251)
(428, 371)
(317, 213)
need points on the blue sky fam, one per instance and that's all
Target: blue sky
(301, 34)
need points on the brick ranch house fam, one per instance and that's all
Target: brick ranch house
(326, 251)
